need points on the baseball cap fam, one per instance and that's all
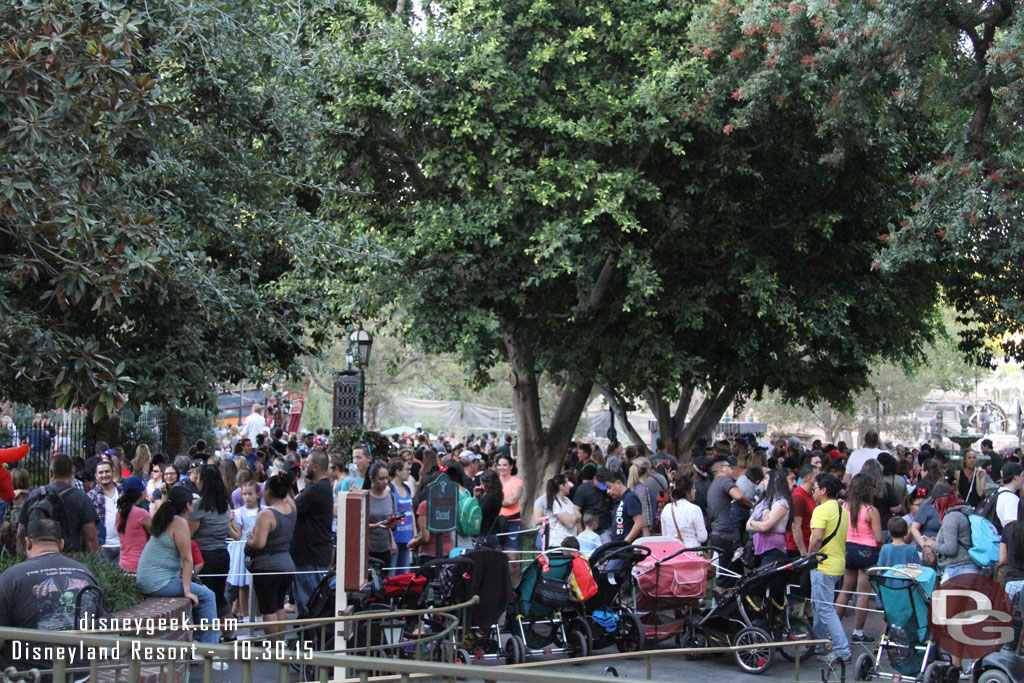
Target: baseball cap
(180, 495)
(133, 485)
(601, 478)
(1011, 470)
(700, 464)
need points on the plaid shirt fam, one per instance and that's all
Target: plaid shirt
(99, 503)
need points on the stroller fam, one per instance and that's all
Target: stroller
(671, 582)
(542, 616)
(752, 613)
(448, 581)
(611, 620)
(905, 593)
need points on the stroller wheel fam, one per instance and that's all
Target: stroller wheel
(936, 672)
(462, 656)
(576, 644)
(865, 667)
(798, 629)
(754, 660)
(993, 676)
(515, 650)
(630, 635)
(697, 639)
(580, 625)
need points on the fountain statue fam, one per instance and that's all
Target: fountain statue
(964, 440)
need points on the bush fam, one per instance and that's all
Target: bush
(119, 589)
(343, 440)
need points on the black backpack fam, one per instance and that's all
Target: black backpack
(50, 503)
(987, 509)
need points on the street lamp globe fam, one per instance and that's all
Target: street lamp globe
(360, 342)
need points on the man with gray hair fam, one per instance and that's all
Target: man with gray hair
(254, 424)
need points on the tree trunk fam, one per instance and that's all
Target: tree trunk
(707, 416)
(622, 416)
(541, 451)
(175, 433)
(107, 429)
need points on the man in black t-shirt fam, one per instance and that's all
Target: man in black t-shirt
(627, 515)
(80, 516)
(312, 541)
(42, 593)
(592, 496)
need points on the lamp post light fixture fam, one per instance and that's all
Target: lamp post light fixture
(350, 384)
(359, 344)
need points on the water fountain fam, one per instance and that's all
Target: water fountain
(964, 440)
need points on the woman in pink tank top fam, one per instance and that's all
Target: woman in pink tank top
(863, 542)
(133, 523)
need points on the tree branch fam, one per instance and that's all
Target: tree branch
(619, 408)
(316, 381)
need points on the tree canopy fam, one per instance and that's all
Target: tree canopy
(152, 238)
(616, 191)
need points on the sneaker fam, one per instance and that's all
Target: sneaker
(861, 638)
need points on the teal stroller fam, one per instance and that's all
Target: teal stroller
(543, 618)
(904, 593)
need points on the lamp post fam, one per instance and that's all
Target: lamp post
(359, 344)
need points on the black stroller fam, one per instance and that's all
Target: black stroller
(610, 612)
(753, 612)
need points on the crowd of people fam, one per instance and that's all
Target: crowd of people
(254, 524)
(756, 504)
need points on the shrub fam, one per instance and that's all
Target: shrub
(119, 589)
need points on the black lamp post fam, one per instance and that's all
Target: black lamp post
(359, 344)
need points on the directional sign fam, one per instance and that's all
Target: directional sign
(442, 504)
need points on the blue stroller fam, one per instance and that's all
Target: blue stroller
(905, 593)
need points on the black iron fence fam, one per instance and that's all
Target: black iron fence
(72, 432)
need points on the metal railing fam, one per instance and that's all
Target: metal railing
(327, 665)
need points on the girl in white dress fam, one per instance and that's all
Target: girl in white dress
(243, 519)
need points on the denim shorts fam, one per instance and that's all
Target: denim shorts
(861, 556)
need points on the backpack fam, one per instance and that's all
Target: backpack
(469, 515)
(984, 548)
(47, 501)
(9, 526)
(987, 509)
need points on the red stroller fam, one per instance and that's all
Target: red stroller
(671, 582)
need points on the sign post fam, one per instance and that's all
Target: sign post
(442, 508)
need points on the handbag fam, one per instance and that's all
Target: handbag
(581, 580)
(747, 557)
(552, 592)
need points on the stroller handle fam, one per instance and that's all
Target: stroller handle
(698, 549)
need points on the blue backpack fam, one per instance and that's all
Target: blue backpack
(984, 549)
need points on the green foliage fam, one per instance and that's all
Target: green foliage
(344, 440)
(657, 196)
(119, 589)
(198, 423)
(150, 220)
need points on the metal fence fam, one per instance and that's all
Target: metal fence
(67, 431)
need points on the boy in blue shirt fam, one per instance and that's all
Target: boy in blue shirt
(900, 550)
(589, 540)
